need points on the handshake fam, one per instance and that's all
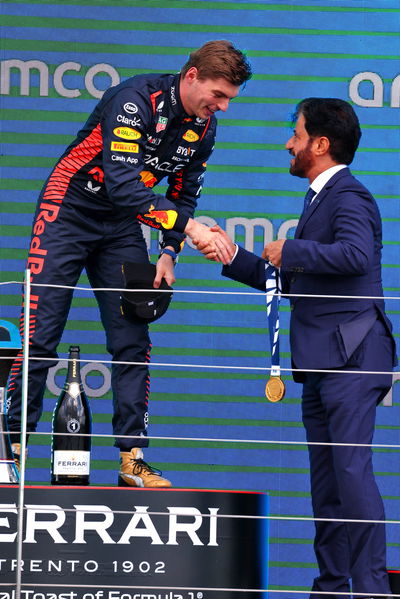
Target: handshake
(215, 244)
(212, 242)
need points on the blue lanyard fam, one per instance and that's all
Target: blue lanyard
(273, 298)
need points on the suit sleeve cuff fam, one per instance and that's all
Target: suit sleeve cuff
(180, 223)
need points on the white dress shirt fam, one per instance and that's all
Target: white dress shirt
(323, 178)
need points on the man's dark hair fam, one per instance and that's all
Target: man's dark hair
(219, 58)
(335, 119)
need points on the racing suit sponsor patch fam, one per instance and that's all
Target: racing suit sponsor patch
(166, 218)
(127, 133)
(135, 122)
(130, 108)
(190, 135)
(119, 146)
(148, 178)
(162, 123)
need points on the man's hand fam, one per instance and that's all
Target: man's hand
(213, 242)
(164, 270)
(273, 252)
(211, 253)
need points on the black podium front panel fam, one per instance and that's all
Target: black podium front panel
(117, 543)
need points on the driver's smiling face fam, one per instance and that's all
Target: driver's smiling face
(204, 97)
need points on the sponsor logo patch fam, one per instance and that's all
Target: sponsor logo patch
(126, 133)
(154, 140)
(190, 135)
(135, 122)
(161, 124)
(130, 108)
(90, 187)
(120, 146)
(173, 98)
(97, 174)
(169, 167)
(148, 178)
(185, 151)
(166, 218)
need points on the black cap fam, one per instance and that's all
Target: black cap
(143, 305)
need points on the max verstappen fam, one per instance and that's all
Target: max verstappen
(89, 215)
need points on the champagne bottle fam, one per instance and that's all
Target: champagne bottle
(70, 453)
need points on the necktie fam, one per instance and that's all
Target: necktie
(308, 197)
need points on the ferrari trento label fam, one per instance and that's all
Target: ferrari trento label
(72, 462)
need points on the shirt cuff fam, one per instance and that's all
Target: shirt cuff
(235, 254)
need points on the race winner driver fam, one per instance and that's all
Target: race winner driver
(89, 215)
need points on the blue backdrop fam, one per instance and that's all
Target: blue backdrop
(213, 426)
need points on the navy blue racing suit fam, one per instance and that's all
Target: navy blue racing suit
(89, 215)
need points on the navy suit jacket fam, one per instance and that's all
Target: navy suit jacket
(336, 251)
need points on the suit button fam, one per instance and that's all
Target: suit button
(293, 279)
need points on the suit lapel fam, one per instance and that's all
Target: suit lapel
(314, 205)
(318, 200)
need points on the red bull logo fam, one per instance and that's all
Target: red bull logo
(166, 218)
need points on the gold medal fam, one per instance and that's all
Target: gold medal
(275, 389)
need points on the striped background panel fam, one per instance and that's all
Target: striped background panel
(297, 49)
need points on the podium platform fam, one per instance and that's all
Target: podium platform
(122, 543)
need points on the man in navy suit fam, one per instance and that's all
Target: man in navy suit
(336, 251)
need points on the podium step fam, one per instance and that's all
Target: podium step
(162, 543)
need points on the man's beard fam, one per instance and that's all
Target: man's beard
(302, 163)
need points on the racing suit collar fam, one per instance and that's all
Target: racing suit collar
(175, 99)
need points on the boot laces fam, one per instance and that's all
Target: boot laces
(139, 466)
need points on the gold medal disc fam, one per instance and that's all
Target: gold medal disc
(275, 389)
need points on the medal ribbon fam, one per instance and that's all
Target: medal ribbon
(273, 298)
